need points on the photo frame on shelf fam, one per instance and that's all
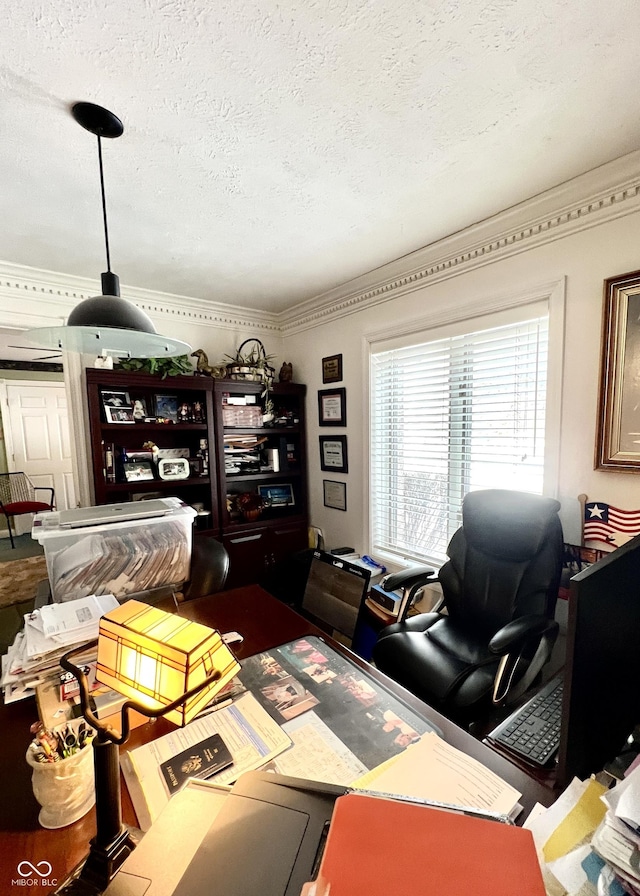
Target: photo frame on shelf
(118, 415)
(166, 407)
(138, 471)
(334, 494)
(333, 454)
(618, 431)
(332, 407)
(115, 402)
(280, 495)
(332, 369)
(174, 468)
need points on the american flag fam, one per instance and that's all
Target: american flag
(603, 522)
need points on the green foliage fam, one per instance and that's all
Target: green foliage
(166, 366)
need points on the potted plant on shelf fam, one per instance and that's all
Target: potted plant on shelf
(252, 365)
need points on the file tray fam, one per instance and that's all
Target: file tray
(118, 552)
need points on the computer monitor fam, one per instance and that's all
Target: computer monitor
(601, 696)
(334, 591)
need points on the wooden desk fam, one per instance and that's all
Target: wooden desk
(265, 622)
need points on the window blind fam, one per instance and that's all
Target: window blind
(448, 417)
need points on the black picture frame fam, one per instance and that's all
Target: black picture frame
(332, 369)
(332, 407)
(280, 495)
(333, 454)
(139, 471)
(334, 494)
(167, 407)
(114, 405)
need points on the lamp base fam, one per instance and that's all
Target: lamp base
(92, 876)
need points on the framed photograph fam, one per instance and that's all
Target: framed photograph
(277, 495)
(118, 415)
(618, 434)
(332, 407)
(335, 494)
(332, 369)
(167, 407)
(333, 454)
(138, 472)
(116, 401)
(174, 468)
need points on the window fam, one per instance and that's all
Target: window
(449, 416)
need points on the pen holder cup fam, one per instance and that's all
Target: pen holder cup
(65, 789)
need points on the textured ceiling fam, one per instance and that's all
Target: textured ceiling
(273, 150)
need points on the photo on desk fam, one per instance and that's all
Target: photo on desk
(354, 723)
(289, 697)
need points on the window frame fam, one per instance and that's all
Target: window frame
(466, 318)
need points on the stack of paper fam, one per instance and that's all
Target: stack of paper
(589, 840)
(121, 563)
(445, 775)
(49, 633)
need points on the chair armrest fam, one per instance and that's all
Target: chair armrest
(417, 575)
(45, 488)
(518, 630)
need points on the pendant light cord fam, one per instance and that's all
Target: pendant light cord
(104, 206)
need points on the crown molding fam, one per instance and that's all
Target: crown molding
(32, 297)
(604, 194)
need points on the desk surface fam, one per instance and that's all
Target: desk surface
(265, 623)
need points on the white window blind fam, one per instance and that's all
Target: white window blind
(449, 417)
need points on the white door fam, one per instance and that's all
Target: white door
(37, 439)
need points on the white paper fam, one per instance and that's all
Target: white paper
(317, 753)
(81, 617)
(249, 732)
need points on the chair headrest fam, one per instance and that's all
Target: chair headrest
(507, 524)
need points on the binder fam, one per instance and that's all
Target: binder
(378, 846)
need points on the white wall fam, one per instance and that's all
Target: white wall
(606, 242)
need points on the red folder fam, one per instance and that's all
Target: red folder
(378, 847)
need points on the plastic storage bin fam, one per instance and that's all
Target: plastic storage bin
(109, 553)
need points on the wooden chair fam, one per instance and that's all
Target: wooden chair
(18, 496)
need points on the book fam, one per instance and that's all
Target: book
(431, 851)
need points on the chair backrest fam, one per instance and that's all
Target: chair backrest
(209, 567)
(505, 560)
(15, 487)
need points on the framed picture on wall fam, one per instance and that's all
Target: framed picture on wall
(332, 369)
(618, 434)
(332, 407)
(333, 454)
(334, 494)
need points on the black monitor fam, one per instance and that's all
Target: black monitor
(601, 697)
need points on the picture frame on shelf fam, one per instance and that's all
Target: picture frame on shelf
(138, 471)
(332, 407)
(333, 454)
(332, 369)
(280, 495)
(115, 402)
(174, 468)
(118, 415)
(166, 407)
(618, 429)
(334, 494)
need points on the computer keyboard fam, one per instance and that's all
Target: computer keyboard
(533, 731)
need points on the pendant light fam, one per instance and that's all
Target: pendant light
(107, 324)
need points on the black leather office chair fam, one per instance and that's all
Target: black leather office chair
(500, 587)
(209, 567)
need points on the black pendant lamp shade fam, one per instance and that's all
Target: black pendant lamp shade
(108, 323)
